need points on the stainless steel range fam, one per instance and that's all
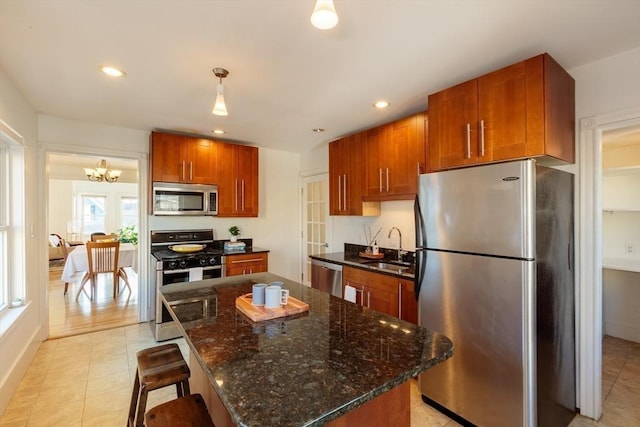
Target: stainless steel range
(175, 266)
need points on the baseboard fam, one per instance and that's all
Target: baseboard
(622, 330)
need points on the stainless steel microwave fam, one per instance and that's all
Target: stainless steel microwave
(184, 199)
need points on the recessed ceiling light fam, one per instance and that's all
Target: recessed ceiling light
(112, 71)
(381, 104)
(218, 131)
(318, 130)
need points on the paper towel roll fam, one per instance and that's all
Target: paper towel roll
(350, 293)
(195, 273)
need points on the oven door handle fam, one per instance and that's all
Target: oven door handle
(208, 268)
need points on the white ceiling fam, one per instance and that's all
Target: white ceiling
(285, 76)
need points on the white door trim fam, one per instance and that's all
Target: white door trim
(144, 294)
(589, 244)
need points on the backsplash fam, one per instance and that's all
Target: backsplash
(353, 249)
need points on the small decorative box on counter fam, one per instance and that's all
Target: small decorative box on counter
(234, 246)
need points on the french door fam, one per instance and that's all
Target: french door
(316, 222)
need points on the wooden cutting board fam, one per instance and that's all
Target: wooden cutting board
(257, 314)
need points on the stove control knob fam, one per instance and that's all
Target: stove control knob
(212, 261)
(183, 263)
(172, 265)
(202, 261)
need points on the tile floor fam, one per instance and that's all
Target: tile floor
(86, 380)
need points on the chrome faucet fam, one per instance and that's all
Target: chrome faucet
(400, 243)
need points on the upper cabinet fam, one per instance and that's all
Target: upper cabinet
(521, 111)
(238, 184)
(395, 158)
(347, 177)
(188, 159)
(182, 159)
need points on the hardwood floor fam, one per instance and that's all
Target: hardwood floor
(70, 317)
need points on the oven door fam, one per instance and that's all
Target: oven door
(166, 328)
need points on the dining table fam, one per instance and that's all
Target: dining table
(77, 260)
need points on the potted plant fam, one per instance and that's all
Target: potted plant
(128, 234)
(235, 232)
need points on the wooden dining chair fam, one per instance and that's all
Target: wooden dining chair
(102, 237)
(102, 257)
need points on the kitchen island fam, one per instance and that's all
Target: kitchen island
(337, 364)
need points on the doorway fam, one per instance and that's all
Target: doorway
(316, 222)
(77, 207)
(590, 293)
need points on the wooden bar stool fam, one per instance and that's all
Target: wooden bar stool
(158, 367)
(185, 411)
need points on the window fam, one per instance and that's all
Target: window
(4, 227)
(93, 214)
(12, 283)
(128, 211)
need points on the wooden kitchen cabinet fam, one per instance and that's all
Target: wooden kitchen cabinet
(373, 290)
(237, 167)
(347, 177)
(182, 159)
(408, 304)
(239, 264)
(395, 158)
(521, 111)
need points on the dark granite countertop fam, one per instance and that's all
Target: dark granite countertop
(300, 370)
(350, 257)
(250, 250)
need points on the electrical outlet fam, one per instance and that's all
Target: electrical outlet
(629, 248)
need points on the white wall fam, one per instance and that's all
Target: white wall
(60, 206)
(277, 227)
(19, 342)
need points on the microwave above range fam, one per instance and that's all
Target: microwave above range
(184, 199)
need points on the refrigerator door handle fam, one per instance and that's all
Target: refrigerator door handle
(421, 242)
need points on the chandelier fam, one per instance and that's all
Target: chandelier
(102, 172)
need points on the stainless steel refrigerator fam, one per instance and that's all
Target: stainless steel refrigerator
(494, 272)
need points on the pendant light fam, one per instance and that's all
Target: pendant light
(219, 108)
(324, 16)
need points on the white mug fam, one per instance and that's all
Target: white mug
(275, 297)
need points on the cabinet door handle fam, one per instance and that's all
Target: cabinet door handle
(183, 174)
(236, 189)
(190, 171)
(418, 169)
(242, 192)
(339, 193)
(344, 190)
(387, 180)
(380, 179)
(468, 155)
(399, 300)
(482, 138)
(369, 299)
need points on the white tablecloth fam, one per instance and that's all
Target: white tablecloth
(77, 260)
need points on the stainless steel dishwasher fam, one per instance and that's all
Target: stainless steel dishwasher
(327, 277)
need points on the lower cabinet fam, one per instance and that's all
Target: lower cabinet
(381, 292)
(246, 264)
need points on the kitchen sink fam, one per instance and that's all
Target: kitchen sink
(389, 266)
